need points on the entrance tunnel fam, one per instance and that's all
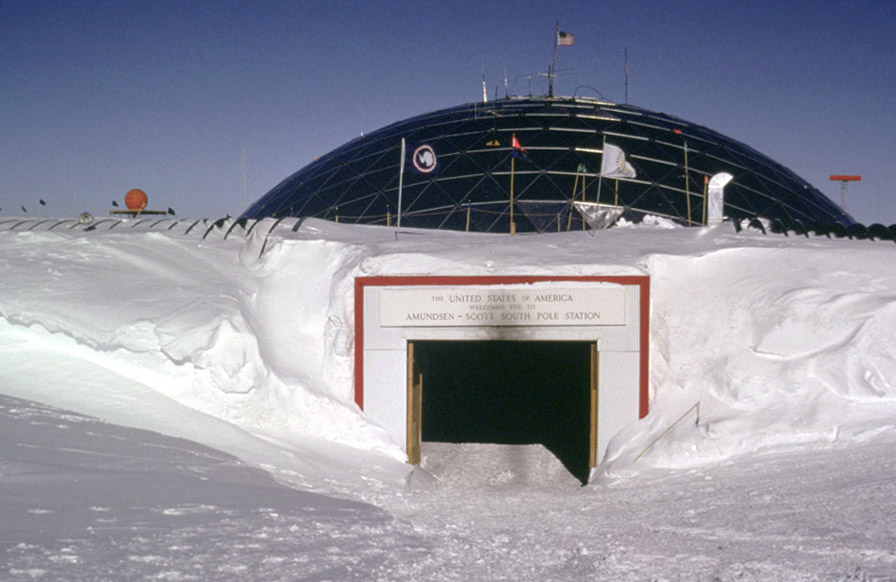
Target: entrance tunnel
(509, 392)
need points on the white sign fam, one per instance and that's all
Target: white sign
(469, 306)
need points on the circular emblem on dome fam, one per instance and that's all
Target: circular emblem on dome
(424, 159)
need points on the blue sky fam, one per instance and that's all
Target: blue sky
(100, 97)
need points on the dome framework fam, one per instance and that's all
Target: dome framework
(564, 141)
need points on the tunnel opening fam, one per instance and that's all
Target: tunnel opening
(509, 393)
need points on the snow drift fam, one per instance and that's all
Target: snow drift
(782, 341)
(149, 369)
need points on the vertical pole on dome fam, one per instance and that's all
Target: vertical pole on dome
(512, 168)
(705, 197)
(400, 181)
(553, 61)
(585, 170)
(600, 174)
(687, 182)
(572, 202)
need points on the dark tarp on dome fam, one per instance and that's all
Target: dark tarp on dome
(564, 142)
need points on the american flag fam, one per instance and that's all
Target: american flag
(565, 39)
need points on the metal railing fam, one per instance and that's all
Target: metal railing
(666, 432)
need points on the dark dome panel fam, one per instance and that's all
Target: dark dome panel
(564, 140)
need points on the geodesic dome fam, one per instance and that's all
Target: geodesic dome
(663, 167)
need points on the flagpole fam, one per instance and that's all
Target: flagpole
(512, 167)
(553, 61)
(400, 180)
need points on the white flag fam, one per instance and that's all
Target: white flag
(613, 164)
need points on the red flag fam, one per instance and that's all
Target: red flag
(517, 148)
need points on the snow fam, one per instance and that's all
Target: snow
(176, 404)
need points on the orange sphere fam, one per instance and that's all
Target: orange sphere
(135, 199)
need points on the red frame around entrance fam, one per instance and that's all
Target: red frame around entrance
(642, 281)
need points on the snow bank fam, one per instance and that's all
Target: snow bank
(784, 346)
(110, 323)
(781, 340)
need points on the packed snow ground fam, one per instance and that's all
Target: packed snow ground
(177, 406)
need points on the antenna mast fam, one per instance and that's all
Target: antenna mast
(243, 177)
(844, 183)
(626, 75)
(484, 93)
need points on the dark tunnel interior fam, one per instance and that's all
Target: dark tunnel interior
(509, 392)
